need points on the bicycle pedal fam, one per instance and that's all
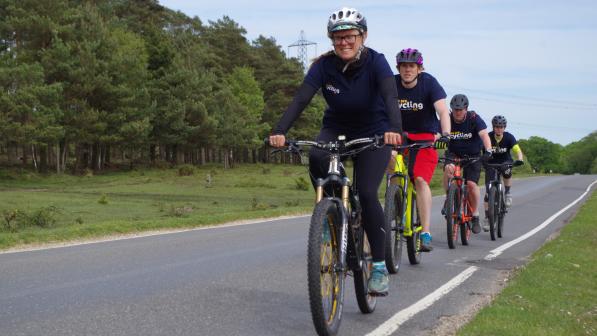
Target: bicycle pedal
(378, 294)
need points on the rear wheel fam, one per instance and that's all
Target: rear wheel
(393, 211)
(452, 210)
(492, 211)
(465, 233)
(366, 301)
(413, 243)
(325, 278)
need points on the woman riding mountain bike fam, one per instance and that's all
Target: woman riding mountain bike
(358, 86)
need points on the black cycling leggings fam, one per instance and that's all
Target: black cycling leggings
(369, 166)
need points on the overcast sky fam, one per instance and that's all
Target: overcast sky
(534, 62)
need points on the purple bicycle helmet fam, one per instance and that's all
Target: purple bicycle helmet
(409, 56)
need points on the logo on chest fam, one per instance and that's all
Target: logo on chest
(407, 105)
(332, 89)
(461, 136)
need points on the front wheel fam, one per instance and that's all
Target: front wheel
(452, 212)
(366, 301)
(393, 211)
(501, 215)
(413, 242)
(493, 211)
(325, 278)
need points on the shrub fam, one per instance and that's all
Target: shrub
(301, 183)
(103, 199)
(186, 170)
(43, 217)
(10, 222)
(256, 205)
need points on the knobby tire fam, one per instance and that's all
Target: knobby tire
(393, 214)
(325, 279)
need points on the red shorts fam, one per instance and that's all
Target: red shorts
(422, 162)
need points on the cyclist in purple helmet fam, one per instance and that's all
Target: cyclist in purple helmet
(425, 117)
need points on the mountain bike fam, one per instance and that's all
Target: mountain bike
(338, 245)
(457, 209)
(400, 211)
(497, 209)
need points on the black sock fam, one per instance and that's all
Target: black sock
(507, 189)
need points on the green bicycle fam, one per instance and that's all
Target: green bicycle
(402, 221)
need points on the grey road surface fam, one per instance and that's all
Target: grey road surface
(251, 279)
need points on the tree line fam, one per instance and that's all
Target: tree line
(99, 84)
(548, 157)
(88, 84)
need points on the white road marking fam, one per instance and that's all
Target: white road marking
(392, 324)
(499, 250)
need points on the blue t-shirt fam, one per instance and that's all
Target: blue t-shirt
(416, 104)
(355, 105)
(464, 138)
(501, 149)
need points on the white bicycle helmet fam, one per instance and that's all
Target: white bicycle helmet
(346, 19)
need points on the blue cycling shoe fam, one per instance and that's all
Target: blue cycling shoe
(379, 282)
(426, 242)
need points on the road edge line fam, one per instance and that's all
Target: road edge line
(393, 323)
(500, 249)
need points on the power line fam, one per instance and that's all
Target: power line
(548, 106)
(542, 100)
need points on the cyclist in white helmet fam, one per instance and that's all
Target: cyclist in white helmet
(359, 88)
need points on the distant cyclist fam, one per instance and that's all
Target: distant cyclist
(422, 100)
(358, 86)
(501, 142)
(468, 137)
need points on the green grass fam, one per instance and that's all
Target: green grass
(92, 206)
(74, 207)
(556, 293)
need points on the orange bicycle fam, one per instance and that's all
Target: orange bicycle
(457, 209)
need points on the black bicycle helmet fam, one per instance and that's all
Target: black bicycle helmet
(459, 101)
(346, 19)
(499, 121)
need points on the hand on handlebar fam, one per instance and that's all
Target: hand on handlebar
(392, 138)
(277, 140)
(518, 163)
(442, 142)
(486, 156)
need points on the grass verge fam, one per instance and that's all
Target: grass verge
(37, 209)
(556, 293)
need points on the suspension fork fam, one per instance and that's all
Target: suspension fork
(408, 208)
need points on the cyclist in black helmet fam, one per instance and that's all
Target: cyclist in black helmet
(468, 137)
(501, 142)
(359, 88)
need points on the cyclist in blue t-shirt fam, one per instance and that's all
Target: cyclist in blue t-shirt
(425, 117)
(359, 88)
(468, 137)
(501, 142)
